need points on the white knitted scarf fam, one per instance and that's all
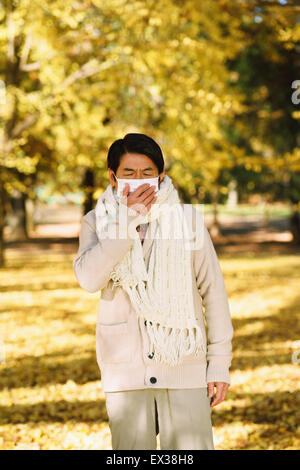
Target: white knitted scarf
(162, 295)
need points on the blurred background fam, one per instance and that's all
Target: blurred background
(217, 84)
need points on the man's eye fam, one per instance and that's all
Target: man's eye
(130, 175)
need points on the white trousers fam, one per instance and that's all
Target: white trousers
(181, 416)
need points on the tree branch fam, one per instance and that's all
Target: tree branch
(88, 69)
(21, 126)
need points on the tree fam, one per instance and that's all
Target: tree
(268, 130)
(76, 75)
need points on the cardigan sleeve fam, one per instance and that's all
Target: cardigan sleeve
(211, 286)
(96, 258)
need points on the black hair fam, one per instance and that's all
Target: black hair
(135, 143)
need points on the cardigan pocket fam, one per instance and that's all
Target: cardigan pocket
(113, 343)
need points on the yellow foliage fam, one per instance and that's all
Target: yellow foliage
(50, 384)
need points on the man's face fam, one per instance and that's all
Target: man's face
(135, 165)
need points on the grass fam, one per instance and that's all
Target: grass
(273, 210)
(50, 388)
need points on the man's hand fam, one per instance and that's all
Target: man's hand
(141, 199)
(221, 387)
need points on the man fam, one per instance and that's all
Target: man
(161, 371)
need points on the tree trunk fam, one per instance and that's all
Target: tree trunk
(232, 199)
(295, 224)
(88, 187)
(266, 214)
(29, 213)
(215, 229)
(17, 219)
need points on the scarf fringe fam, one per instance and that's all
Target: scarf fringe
(169, 345)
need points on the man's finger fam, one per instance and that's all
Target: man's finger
(221, 393)
(140, 189)
(224, 391)
(126, 189)
(211, 386)
(217, 397)
(223, 396)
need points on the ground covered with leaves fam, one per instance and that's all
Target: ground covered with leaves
(50, 384)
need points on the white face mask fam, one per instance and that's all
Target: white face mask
(135, 183)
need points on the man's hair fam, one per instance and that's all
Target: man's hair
(135, 143)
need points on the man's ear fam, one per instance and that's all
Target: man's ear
(114, 178)
(161, 177)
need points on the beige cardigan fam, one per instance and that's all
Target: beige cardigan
(121, 339)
